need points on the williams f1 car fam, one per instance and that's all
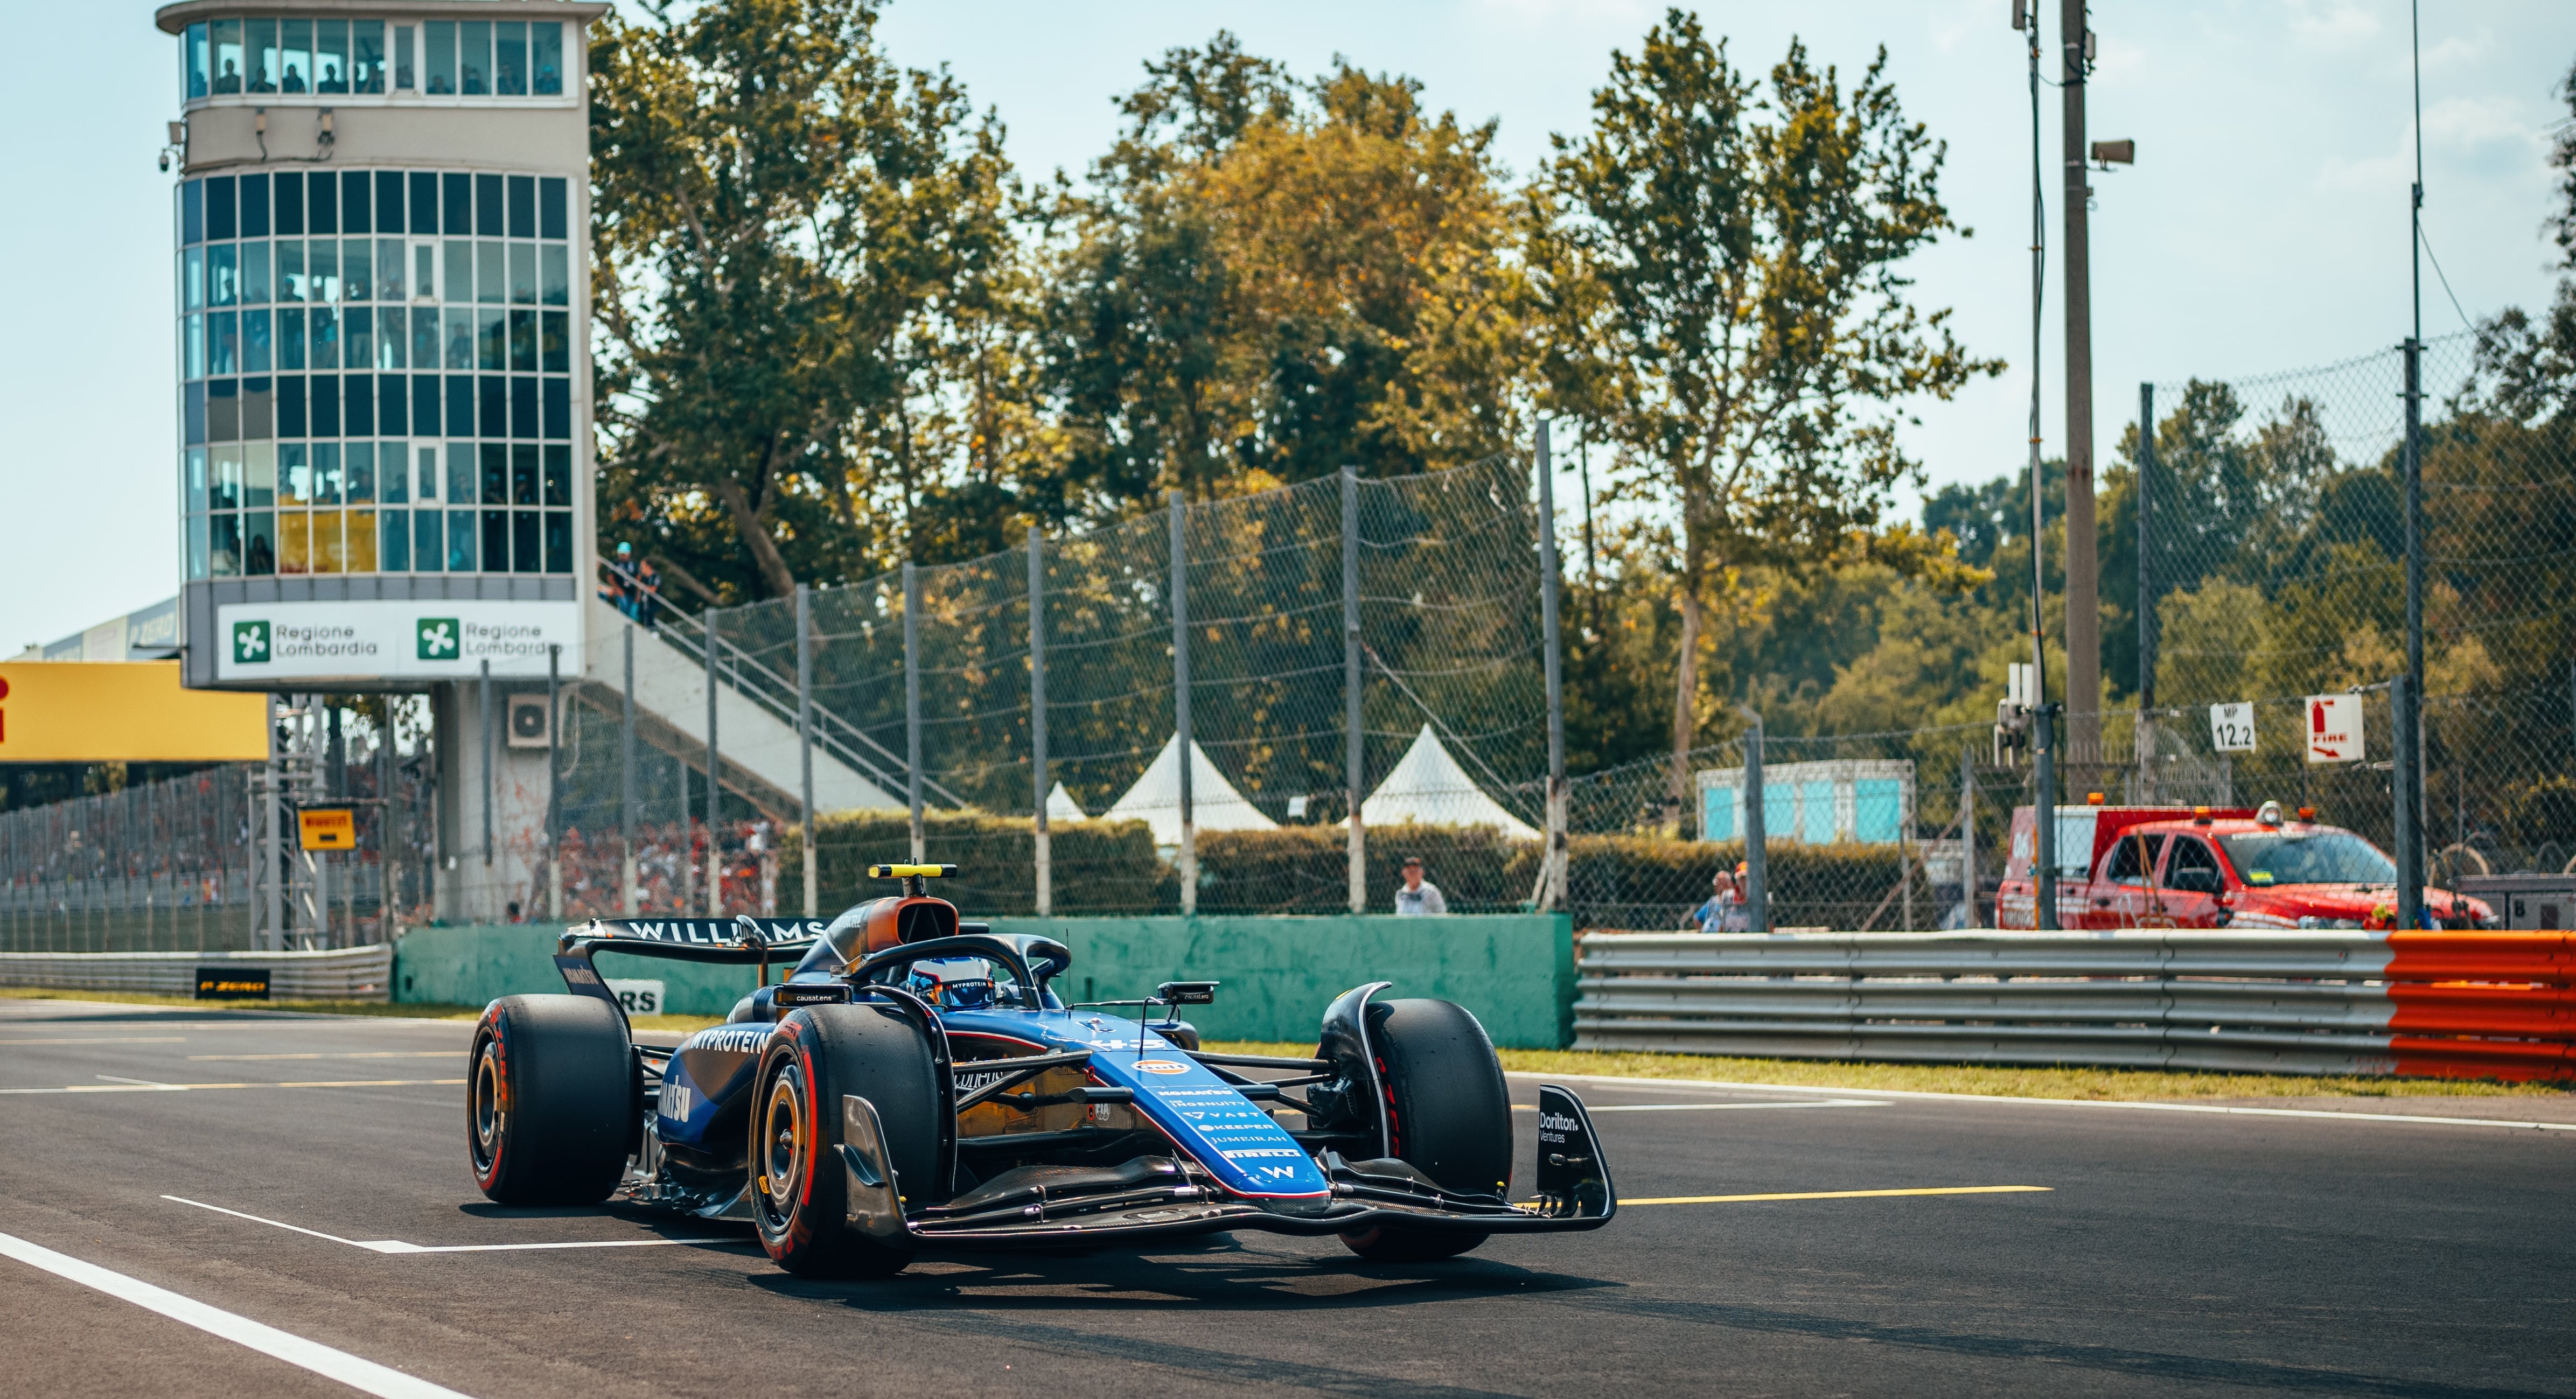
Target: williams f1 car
(915, 1082)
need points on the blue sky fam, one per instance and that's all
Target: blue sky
(2263, 228)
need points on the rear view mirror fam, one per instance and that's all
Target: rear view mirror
(1186, 993)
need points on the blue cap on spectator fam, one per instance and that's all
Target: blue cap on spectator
(624, 549)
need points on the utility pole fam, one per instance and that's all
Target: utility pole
(554, 786)
(491, 887)
(2044, 798)
(1757, 846)
(2083, 611)
(2406, 713)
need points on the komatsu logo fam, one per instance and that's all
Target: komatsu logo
(677, 1101)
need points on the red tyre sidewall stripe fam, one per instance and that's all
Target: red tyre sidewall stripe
(501, 1092)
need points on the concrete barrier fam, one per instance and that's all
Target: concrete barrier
(346, 974)
(1515, 971)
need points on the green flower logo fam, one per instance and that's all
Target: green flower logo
(250, 643)
(438, 639)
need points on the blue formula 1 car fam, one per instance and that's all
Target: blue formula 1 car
(915, 1082)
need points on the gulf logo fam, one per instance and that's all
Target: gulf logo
(1161, 1066)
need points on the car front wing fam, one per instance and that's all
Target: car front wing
(1574, 1193)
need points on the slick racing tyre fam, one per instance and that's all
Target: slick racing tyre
(1449, 1114)
(551, 1104)
(799, 1197)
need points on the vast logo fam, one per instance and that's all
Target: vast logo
(250, 643)
(439, 638)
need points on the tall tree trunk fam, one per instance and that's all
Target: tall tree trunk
(755, 533)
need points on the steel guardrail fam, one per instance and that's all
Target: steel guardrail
(341, 974)
(2486, 1005)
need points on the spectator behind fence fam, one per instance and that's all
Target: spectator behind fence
(1417, 896)
(647, 593)
(1724, 912)
(619, 591)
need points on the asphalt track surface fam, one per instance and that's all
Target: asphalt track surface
(2165, 1254)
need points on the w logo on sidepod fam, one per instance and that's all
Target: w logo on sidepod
(437, 638)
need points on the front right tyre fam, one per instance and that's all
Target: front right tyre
(799, 1192)
(1449, 1116)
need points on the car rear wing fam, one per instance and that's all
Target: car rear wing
(738, 941)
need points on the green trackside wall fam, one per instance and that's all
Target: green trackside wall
(1515, 971)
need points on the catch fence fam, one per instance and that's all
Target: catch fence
(2262, 540)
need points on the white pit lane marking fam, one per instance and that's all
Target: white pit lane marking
(365, 1376)
(398, 1246)
(335, 1054)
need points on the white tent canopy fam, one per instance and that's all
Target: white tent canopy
(1214, 803)
(1428, 788)
(1062, 807)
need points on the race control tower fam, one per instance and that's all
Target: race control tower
(383, 321)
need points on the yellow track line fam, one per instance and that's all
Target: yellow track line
(1842, 1194)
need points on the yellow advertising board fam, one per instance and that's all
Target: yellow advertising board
(328, 828)
(123, 711)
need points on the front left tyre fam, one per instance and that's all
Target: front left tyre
(799, 1189)
(551, 1103)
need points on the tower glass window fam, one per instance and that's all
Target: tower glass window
(303, 335)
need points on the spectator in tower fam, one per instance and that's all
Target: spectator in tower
(1417, 896)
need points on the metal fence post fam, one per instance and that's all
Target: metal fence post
(2146, 737)
(1354, 741)
(912, 703)
(626, 783)
(2043, 819)
(2404, 722)
(715, 782)
(492, 909)
(1040, 846)
(1555, 855)
(1968, 832)
(1183, 742)
(805, 740)
(1757, 899)
(554, 781)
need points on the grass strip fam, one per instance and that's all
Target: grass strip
(2122, 1085)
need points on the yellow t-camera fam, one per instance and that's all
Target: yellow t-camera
(912, 871)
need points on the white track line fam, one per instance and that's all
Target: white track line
(1717, 1107)
(365, 1376)
(1667, 1085)
(113, 1039)
(398, 1246)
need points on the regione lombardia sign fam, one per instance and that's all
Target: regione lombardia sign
(2334, 729)
(427, 640)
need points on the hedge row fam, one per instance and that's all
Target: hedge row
(1106, 868)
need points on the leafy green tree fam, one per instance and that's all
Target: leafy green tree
(793, 240)
(1718, 263)
(1269, 279)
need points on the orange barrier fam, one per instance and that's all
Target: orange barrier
(2483, 1005)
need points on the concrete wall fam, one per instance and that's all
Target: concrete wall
(1515, 971)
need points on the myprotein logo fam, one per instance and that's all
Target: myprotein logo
(439, 639)
(250, 643)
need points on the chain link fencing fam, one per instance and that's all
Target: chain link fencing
(2266, 549)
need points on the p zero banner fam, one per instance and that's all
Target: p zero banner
(259, 642)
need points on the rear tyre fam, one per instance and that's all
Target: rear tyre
(799, 1194)
(551, 1107)
(1449, 1114)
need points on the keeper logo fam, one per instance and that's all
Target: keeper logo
(439, 638)
(250, 643)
